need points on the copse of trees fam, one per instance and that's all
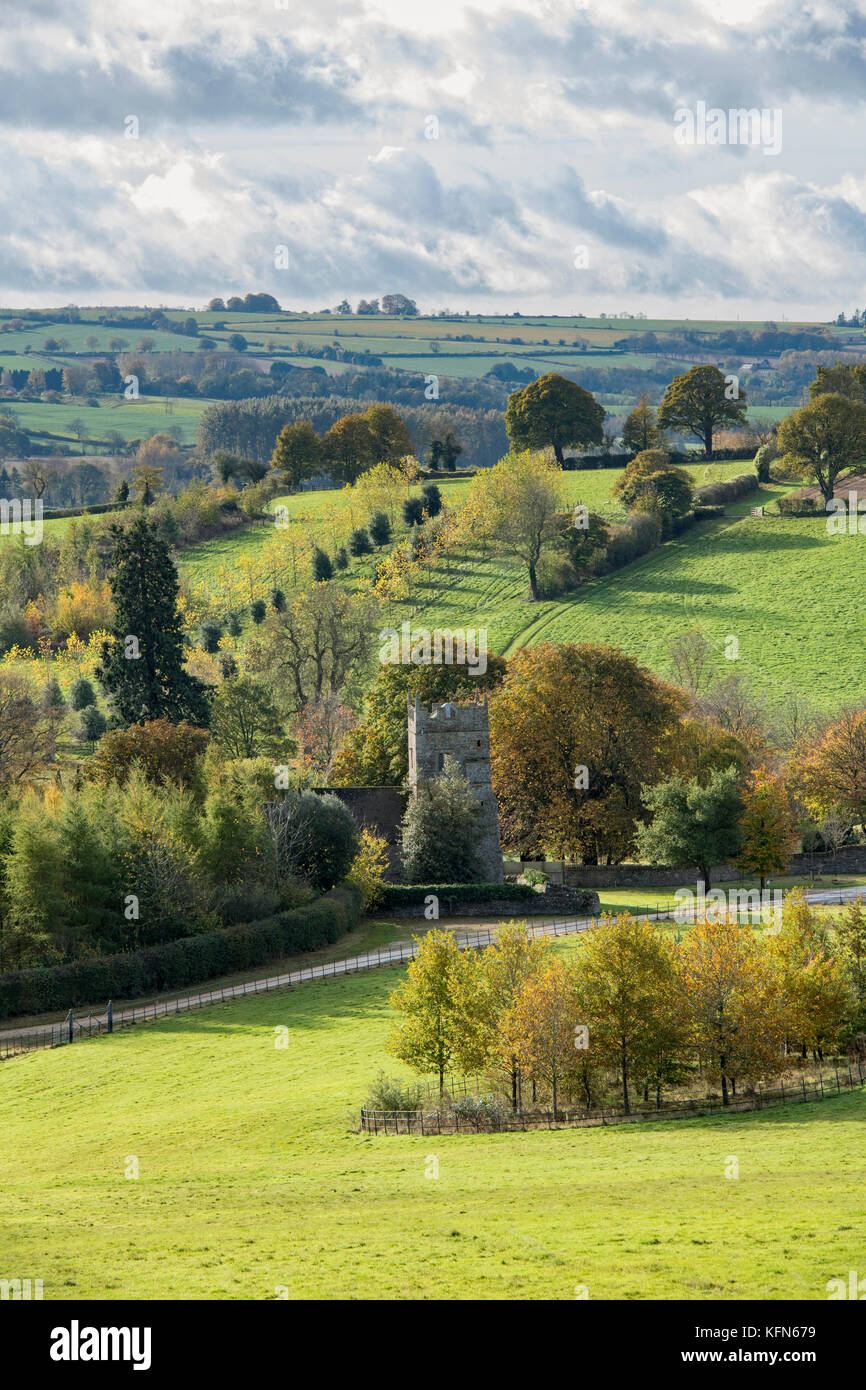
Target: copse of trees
(632, 1010)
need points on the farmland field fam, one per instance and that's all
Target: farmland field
(132, 419)
(251, 1179)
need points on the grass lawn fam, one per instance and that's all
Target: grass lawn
(250, 1178)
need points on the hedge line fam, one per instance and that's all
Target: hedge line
(178, 964)
(678, 456)
(728, 491)
(409, 894)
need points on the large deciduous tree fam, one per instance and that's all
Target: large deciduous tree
(829, 771)
(699, 402)
(575, 732)
(766, 826)
(823, 438)
(691, 823)
(553, 412)
(516, 504)
(297, 453)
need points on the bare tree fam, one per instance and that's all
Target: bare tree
(690, 654)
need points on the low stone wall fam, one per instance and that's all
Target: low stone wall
(556, 902)
(845, 861)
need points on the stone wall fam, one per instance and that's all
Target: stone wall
(846, 861)
(556, 902)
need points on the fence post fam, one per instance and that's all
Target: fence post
(821, 1079)
(838, 1087)
(71, 1026)
(804, 1088)
(110, 1017)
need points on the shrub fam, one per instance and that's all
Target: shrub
(639, 534)
(368, 869)
(209, 634)
(413, 511)
(414, 894)
(379, 528)
(314, 837)
(82, 694)
(730, 490)
(258, 611)
(432, 499)
(483, 1110)
(390, 1093)
(359, 542)
(441, 827)
(341, 559)
(322, 567)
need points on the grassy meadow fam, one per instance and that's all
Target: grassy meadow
(252, 1183)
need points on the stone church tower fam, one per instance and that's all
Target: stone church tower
(461, 732)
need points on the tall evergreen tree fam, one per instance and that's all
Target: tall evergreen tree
(142, 666)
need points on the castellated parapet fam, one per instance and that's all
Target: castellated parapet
(461, 732)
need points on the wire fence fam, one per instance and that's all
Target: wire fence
(492, 1120)
(91, 1023)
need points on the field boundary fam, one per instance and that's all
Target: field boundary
(91, 1024)
(451, 1121)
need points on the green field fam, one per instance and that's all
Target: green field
(252, 1181)
(132, 419)
(770, 582)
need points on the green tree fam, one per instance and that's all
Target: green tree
(142, 668)
(692, 824)
(246, 722)
(699, 402)
(434, 1005)
(440, 830)
(641, 430)
(81, 694)
(297, 453)
(823, 438)
(553, 412)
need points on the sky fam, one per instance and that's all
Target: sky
(547, 156)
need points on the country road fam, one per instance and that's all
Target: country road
(88, 1023)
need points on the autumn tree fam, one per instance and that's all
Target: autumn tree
(823, 438)
(517, 502)
(28, 731)
(350, 447)
(813, 985)
(540, 1028)
(692, 823)
(766, 826)
(162, 750)
(391, 439)
(553, 412)
(829, 771)
(574, 732)
(701, 401)
(434, 1006)
(729, 1002)
(850, 946)
(508, 965)
(623, 968)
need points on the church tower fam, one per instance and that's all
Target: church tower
(461, 732)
